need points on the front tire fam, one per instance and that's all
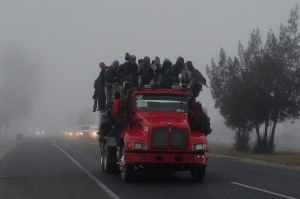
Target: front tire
(127, 171)
(197, 173)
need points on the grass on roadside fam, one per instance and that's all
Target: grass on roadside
(284, 158)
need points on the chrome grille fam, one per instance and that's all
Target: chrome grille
(179, 139)
(160, 139)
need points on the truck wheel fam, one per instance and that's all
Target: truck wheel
(102, 156)
(110, 159)
(197, 173)
(127, 171)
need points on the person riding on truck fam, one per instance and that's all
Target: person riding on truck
(198, 79)
(146, 72)
(99, 85)
(111, 79)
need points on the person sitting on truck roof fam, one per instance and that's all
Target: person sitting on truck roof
(186, 79)
(146, 72)
(198, 79)
(111, 79)
(167, 77)
(177, 68)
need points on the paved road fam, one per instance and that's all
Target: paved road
(44, 167)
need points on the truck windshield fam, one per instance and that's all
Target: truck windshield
(161, 102)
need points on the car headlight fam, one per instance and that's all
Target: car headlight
(199, 147)
(42, 132)
(139, 145)
(77, 133)
(37, 132)
(80, 133)
(70, 133)
(95, 133)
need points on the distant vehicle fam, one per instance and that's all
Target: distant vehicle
(84, 131)
(93, 134)
(40, 133)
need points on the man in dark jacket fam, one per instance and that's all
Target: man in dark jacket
(177, 68)
(111, 78)
(198, 79)
(130, 74)
(146, 72)
(99, 85)
(166, 71)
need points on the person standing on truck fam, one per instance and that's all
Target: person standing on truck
(198, 79)
(99, 95)
(111, 80)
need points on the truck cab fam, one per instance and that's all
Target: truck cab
(157, 135)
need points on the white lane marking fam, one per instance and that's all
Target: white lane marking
(262, 190)
(98, 182)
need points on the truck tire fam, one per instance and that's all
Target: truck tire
(197, 173)
(127, 171)
(102, 156)
(110, 159)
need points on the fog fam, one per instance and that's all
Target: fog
(64, 41)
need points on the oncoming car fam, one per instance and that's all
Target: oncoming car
(93, 134)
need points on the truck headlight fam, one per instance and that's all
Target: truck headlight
(139, 145)
(199, 147)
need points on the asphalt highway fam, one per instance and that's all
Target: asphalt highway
(60, 167)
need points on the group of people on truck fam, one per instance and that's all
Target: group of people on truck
(145, 72)
(113, 80)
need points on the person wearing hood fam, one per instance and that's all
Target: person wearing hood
(146, 72)
(177, 68)
(166, 72)
(111, 79)
(99, 85)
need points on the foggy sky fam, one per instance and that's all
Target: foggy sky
(70, 38)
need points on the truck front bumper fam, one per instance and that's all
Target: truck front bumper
(180, 159)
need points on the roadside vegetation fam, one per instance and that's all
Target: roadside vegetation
(283, 158)
(260, 87)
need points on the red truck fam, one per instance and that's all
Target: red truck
(156, 136)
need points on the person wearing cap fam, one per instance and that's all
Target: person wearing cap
(99, 94)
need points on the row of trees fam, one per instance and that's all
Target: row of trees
(261, 86)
